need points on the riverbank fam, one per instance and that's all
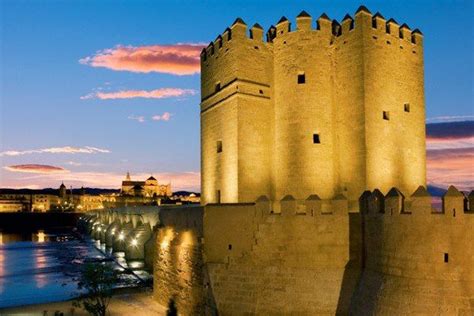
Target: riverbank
(123, 303)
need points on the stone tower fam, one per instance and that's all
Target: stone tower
(62, 191)
(325, 107)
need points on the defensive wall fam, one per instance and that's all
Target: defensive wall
(398, 255)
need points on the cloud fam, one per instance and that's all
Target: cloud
(163, 117)
(178, 59)
(56, 150)
(140, 119)
(130, 94)
(450, 135)
(187, 180)
(451, 167)
(450, 154)
(34, 168)
(457, 118)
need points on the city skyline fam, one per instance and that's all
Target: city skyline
(88, 95)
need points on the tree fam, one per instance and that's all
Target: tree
(98, 280)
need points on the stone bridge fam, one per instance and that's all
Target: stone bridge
(123, 229)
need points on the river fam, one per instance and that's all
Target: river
(43, 266)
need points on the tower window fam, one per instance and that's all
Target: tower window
(301, 78)
(406, 107)
(374, 23)
(316, 139)
(218, 196)
(387, 28)
(219, 146)
(229, 247)
(386, 115)
(260, 91)
(218, 87)
(446, 257)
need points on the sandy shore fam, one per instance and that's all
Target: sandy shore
(136, 304)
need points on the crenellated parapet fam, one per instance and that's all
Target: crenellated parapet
(362, 18)
(454, 203)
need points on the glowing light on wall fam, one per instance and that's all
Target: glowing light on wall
(121, 236)
(169, 235)
(134, 242)
(41, 236)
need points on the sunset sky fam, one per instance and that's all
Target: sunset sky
(93, 89)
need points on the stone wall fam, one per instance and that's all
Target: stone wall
(418, 260)
(290, 262)
(178, 263)
(397, 256)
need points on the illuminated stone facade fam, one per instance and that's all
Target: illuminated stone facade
(336, 108)
(148, 188)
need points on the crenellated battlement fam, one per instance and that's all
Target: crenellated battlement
(238, 33)
(454, 204)
(374, 204)
(363, 19)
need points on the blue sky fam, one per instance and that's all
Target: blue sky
(42, 80)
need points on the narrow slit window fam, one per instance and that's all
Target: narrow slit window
(316, 139)
(301, 78)
(218, 87)
(446, 258)
(219, 146)
(406, 107)
(386, 115)
(374, 23)
(387, 28)
(229, 247)
(218, 196)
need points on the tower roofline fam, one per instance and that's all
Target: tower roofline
(239, 21)
(363, 8)
(303, 14)
(282, 19)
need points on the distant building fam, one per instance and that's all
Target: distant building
(148, 188)
(28, 202)
(12, 205)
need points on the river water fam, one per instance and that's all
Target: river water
(43, 266)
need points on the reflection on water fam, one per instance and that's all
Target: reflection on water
(42, 266)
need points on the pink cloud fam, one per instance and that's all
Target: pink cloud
(449, 142)
(163, 117)
(178, 59)
(34, 168)
(187, 180)
(130, 94)
(56, 150)
(454, 166)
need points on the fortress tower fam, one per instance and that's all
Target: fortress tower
(325, 107)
